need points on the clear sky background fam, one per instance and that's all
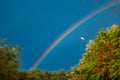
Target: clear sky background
(35, 24)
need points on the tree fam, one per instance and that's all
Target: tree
(54, 75)
(8, 61)
(22, 75)
(101, 61)
(46, 75)
(62, 75)
(35, 75)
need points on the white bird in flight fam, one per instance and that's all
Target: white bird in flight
(82, 38)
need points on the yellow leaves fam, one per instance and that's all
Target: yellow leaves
(114, 27)
(102, 57)
(112, 62)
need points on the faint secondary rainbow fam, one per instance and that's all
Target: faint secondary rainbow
(67, 32)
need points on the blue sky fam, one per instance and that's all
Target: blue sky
(35, 24)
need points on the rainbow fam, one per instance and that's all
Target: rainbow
(67, 32)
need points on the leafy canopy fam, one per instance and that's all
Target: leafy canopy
(101, 61)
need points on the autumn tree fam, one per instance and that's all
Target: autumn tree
(101, 61)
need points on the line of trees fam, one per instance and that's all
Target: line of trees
(9, 64)
(101, 61)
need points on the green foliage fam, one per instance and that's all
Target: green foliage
(101, 61)
(102, 58)
(62, 75)
(35, 75)
(22, 75)
(9, 65)
(46, 75)
(8, 62)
